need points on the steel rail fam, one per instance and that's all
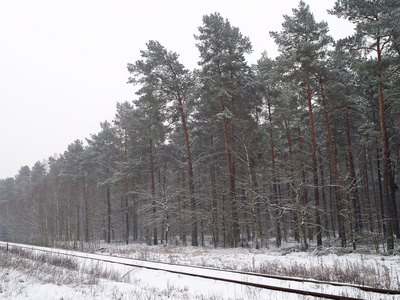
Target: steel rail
(131, 262)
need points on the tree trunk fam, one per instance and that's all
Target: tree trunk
(182, 202)
(368, 203)
(58, 232)
(214, 211)
(235, 213)
(134, 220)
(377, 208)
(274, 181)
(231, 175)
(193, 209)
(251, 195)
(314, 163)
(68, 221)
(126, 193)
(353, 185)
(291, 192)
(393, 189)
(342, 232)
(231, 180)
(153, 193)
(393, 207)
(324, 201)
(303, 201)
(385, 158)
(381, 200)
(108, 213)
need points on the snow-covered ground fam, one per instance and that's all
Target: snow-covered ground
(23, 277)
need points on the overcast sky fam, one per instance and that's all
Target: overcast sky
(63, 63)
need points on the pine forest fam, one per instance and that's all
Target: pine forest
(304, 147)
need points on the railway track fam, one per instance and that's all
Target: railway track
(313, 288)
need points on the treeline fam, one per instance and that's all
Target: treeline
(303, 147)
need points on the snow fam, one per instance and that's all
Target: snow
(107, 280)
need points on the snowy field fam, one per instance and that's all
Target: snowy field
(27, 275)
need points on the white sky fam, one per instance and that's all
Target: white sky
(63, 63)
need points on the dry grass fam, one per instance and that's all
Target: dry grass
(63, 270)
(344, 271)
(359, 272)
(55, 268)
(19, 267)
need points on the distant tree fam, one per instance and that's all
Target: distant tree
(104, 145)
(73, 176)
(55, 187)
(123, 120)
(23, 219)
(40, 203)
(7, 201)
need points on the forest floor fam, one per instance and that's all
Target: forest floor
(25, 277)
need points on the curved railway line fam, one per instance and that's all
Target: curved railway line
(283, 284)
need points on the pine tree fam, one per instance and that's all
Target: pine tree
(40, 203)
(303, 41)
(104, 146)
(222, 50)
(162, 73)
(377, 23)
